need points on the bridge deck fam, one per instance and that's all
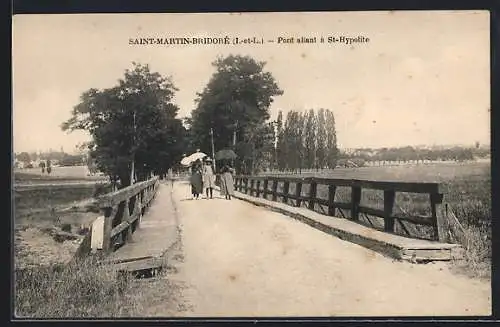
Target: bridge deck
(393, 245)
(157, 232)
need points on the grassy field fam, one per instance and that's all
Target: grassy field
(58, 174)
(466, 188)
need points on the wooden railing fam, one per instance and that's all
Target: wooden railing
(267, 186)
(122, 211)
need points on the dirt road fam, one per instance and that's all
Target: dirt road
(242, 260)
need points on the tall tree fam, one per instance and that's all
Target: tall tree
(331, 139)
(310, 130)
(280, 142)
(133, 122)
(236, 100)
(321, 139)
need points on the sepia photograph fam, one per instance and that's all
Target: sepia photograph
(251, 165)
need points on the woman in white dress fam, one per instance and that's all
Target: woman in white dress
(208, 178)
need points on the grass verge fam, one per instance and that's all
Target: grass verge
(82, 289)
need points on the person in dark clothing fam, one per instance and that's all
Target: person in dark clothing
(49, 167)
(196, 182)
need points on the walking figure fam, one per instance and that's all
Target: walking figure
(227, 182)
(42, 165)
(49, 167)
(196, 180)
(208, 178)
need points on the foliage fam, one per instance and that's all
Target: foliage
(307, 140)
(133, 121)
(23, 157)
(235, 104)
(71, 160)
(409, 153)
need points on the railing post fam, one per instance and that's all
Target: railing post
(298, 194)
(109, 214)
(355, 200)
(313, 187)
(275, 189)
(266, 183)
(258, 188)
(286, 190)
(389, 197)
(438, 216)
(331, 200)
(246, 185)
(252, 187)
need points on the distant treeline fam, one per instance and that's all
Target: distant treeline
(408, 153)
(59, 157)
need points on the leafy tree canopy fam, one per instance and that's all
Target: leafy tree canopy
(134, 120)
(237, 98)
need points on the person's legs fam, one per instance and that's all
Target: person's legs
(211, 192)
(207, 191)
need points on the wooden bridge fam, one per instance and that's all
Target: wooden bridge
(240, 239)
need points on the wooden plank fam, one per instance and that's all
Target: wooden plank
(275, 189)
(371, 211)
(355, 200)
(109, 214)
(435, 254)
(410, 187)
(312, 194)
(331, 199)
(298, 192)
(111, 199)
(389, 197)
(119, 228)
(418, 220)
(140, 265)
(286, 191)
(343, 205)
(438, 216)
(265, 191)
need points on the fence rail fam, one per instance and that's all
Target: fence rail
(122, 211)
(277, 187)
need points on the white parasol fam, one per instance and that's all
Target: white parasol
(187, 161)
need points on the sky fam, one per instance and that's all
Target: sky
(422, 78)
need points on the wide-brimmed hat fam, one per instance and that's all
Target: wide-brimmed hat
(208, 159)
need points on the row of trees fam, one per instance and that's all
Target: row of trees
(61, 158)
(408, 153)
(28, 157)
(306, 140)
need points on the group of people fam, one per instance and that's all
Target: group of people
(47, 166)
(203, 177)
